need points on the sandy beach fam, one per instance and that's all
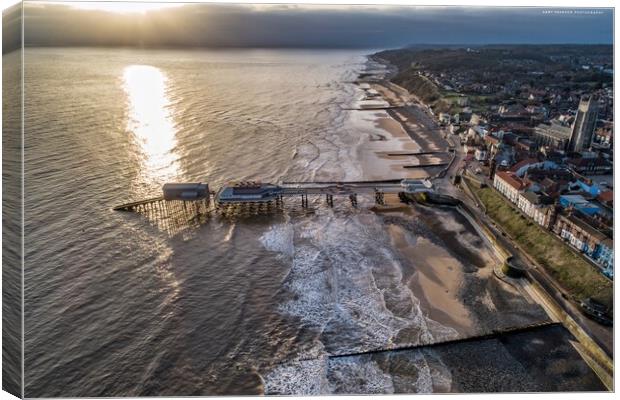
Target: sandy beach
(433, 274)
(437, 278)
(388, 151)
(392, 137)
(446, 261)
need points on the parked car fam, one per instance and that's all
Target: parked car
(596, 311)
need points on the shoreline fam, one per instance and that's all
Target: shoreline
(534, 293)
(434, 286)
(401, 128)
(408, 128)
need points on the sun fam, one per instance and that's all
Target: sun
(125, 6)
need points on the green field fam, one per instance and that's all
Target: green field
(576, 275)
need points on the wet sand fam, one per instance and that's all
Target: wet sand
(446, 271)
(437, 280)
(421, 128)
(404, 130)
(413, 117)
(435, 275)
(390, 96)
(383, 139)
(449, 269)
(449, 265)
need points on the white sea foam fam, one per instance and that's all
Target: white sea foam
(279, 239)
(334, 263)
(230, 233)
(310, 284)
(353, 375)
(301, 378)
(342, 269)
(415, 371)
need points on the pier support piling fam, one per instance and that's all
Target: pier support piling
(379, 197)
(329, 198)
(353, 198)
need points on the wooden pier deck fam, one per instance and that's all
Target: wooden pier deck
(174, 215)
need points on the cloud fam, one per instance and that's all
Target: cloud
(222, 25)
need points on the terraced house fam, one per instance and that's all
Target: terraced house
(579, 224)
(533, 205)
(581, 235)
(509, 185)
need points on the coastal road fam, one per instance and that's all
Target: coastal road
(601, 334)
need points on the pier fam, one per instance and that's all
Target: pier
(186, 201)
(140, 205)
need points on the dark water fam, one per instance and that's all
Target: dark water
(11, 224)
(117, 307)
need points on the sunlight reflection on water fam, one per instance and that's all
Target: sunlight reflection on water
(150, 119)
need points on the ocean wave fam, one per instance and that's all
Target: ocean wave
(279, 239)
(346, 283)
(358, 375)
(415, 371)
(302, 378)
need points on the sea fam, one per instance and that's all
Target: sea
(117, 306)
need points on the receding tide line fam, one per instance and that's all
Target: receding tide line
(496, 333)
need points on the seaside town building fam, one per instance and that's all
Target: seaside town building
(602, 137)
(582, 236)
(555, 135)
(508, 184)
(585, 122)
(558, 134)
(541, 140)
(604, 256)
(578, 217)
(590, 164)
(578, 202)
(444, 118)
(606, 197)
(481, 154)
(532, 205)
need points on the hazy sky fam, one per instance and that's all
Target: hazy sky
(308, 26)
